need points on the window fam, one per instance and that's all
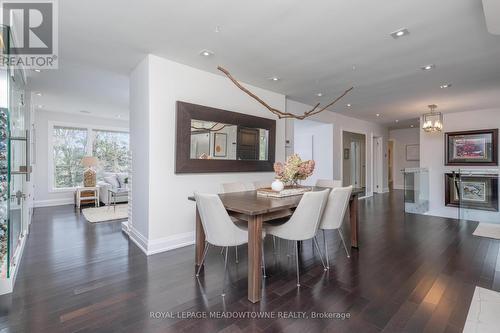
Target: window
(71, 143)
(112, 150)
(69, 148)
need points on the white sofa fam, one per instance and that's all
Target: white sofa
(112, 180)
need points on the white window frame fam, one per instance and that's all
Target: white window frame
(89, 145)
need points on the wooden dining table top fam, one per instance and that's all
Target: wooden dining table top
(249, 203)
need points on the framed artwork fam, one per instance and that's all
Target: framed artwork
(472, 147)
(346, 153)
(220, 144)
(474, 192)
(413, 152)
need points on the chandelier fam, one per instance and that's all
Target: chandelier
(432, 121)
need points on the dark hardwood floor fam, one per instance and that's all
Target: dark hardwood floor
(411, 274)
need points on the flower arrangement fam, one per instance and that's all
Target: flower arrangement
(294, 169)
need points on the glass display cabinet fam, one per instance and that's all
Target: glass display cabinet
(15, 167)
(416, 190)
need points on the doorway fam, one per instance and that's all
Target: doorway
(354, 159)
(378, 162)
(390, 163)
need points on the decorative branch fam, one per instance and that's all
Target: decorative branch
(210, 129)
(277, 112)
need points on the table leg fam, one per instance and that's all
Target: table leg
(254, 258)
(353, 213)
(200, 240)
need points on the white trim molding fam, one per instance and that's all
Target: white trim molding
(150, 247)
(54, 202)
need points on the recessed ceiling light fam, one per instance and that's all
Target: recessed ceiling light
(428, 67)
(397, 120)
(38, 94)
(40, 106)
(412, 126)
(85, 111)
(274, 78)
(319, 94)
(348, 105)
(37, 70)
(400, 33)
(206, 53)
(378, 114)
(444, 86)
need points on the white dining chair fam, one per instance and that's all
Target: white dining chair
(332, 183)
(233, 187)
(220, 229)
(303, 224)
(333, 216)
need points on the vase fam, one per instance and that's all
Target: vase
(277, 185)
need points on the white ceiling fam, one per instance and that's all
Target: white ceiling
(311, 45)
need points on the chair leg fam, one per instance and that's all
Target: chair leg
(202, 259)
(297, 262)
(343, 242)
(222, 251)
(263, 261)
(274, 244)
(315, 241)
(236, 253)
(288, 248)
(326, 250)
(225, 274)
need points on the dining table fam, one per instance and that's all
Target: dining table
(255, 209)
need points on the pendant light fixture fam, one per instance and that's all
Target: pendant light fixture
(432, 121)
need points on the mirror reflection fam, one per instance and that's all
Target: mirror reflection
(214, 140)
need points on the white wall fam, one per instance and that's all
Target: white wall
(343, 123)
(156, 84)
(44, 194)
(314, 140)
(432, 156)
(401, 138)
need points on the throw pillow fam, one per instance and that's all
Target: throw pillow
(112, 180)
(121, 179)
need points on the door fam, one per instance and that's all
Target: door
(248, 144)
(355, 164)
(377, 165)
(19, 161)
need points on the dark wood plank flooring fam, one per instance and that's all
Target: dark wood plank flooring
(412, 274)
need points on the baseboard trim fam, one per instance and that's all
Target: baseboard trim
(53, 202)
(138, 239)
(159, 245)
(171, 243)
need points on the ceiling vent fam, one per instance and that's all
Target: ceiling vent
(492, 14)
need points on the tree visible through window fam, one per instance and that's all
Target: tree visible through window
(69, 148)
(112, 150)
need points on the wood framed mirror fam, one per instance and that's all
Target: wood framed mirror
(215, 140)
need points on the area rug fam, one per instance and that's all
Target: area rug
(489, 230)
(106, 214)
(483, 311)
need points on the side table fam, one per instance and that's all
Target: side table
(86, 194)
